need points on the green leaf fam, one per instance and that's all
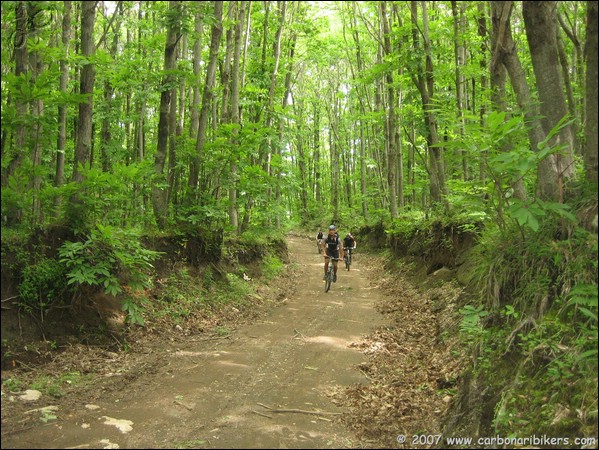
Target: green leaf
(589, 354)
(587, 312)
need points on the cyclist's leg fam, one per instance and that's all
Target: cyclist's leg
(335, 254)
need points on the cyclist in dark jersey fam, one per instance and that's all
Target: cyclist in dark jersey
(319, 240)
(349, 242)
(334, 249)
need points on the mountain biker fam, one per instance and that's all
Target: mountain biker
(349, 243)
(319, 239)
(334, 249)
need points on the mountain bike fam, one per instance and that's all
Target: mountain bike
(319, 245)
(328, 278)
(347, 256)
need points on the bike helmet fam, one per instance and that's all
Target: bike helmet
(332, 227)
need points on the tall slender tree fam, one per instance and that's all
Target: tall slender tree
(198, 160)
(160, 185)
(390, 128)
(236, 115)
(424, 80)
(590, 131)
(77, 212)
(505, 61)
(59, 178)
(540, 22)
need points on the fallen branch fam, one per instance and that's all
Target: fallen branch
(298, 333)
(364, 373)
(177, 402)
(261, 414)
(299, 411)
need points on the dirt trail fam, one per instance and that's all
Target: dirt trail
(207, 393)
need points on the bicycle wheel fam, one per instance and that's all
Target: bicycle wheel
(327, 281)
(346, 258)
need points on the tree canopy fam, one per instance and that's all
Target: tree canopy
(239, 114)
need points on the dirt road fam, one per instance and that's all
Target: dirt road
(268, 384)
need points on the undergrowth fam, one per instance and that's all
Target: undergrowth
(185, 294)
(533, 335)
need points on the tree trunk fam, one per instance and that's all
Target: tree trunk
(106, 143)
(540, 24)
(505, 60)
(334, 144)
(273, 148)
(590, 130)
(235, 117)
(37, 109)
(14, 214)
(197, 61)
(316, 154)
(390, 132)
(77, 212)
(35, 12)
(285, 102)
(482, 33)
(176, 132)
(140, 143)
(88, 74)
(207, 96)
(301, 161)
(334, 155)
(361, 98)
(62, 108)
(225, 66)
(459, 49)
(159, 188)
(424, 82)
(171, 175)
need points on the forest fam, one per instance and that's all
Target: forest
(216, 124)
